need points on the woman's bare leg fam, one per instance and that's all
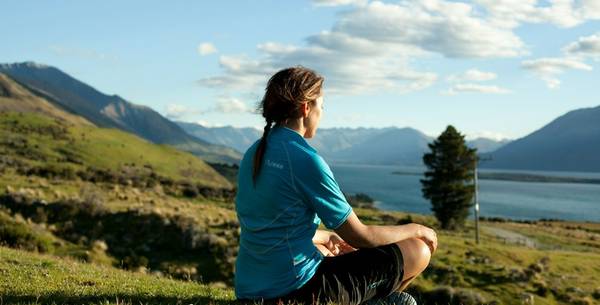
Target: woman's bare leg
(416, 255)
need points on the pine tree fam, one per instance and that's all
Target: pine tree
(448, 181)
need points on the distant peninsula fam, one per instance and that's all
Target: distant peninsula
(521, 177)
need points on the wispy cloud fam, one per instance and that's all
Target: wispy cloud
(563, 13)
(586, 46)
(208, 124)
(475, 88)
(548, 69)
(472, 75)
(228, 104)
(206, 48)
(224, 104)
(464, 83)
(177, 111)
(497, 136)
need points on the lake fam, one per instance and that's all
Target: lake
(508, 199)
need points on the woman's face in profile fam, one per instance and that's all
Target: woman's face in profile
(314, 117)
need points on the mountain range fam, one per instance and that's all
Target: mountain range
(390, 145)
(570, 142)
(113, 111)
(38, 136)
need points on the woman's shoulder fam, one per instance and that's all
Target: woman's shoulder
(305, 159)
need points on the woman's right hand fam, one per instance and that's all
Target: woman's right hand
(427, 235)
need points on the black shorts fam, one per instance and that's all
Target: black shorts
(352, 278)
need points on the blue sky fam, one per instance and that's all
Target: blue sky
(499, 69)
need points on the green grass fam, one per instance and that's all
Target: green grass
(489, 269)
(36, 139)
(485, 269)
(30, 278)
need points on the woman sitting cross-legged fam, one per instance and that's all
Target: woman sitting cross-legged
(285, 190)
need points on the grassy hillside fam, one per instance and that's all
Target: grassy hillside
(501, 270)
(13, 97)
(38, 141)
(111, 111)
(509, 268)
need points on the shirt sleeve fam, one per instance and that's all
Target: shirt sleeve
(321, 192)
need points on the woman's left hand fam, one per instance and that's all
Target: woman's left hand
(331, 244)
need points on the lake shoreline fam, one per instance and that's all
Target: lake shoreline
(497, 219)
(519, 177)
(501, 197)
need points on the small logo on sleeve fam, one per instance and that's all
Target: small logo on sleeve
(274, 164)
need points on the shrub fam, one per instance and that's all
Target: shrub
(19, 235)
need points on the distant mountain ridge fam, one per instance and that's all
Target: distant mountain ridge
(237, 138)
(14, 97)
(390, 145)
(571, 142)
(40, 136)
(111, 110)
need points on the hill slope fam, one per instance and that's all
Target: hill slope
(39, 143)
(569, 143)
(13, 97)
(111, 110)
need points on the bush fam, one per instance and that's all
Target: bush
(92, 200)
(19, 235)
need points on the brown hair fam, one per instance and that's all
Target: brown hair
(285, 94)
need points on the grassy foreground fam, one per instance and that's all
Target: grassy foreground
(31, 278)
(498, 271)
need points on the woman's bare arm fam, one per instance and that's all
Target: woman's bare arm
(359, 235)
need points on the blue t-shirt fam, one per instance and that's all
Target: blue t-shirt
(295, 191)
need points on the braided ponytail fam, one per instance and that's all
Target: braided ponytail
(260, 151)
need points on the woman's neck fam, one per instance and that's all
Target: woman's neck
(296, 125)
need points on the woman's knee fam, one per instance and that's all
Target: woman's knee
(416, 255)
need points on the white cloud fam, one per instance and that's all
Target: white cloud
(475, 88)
(472, 75)
(496, 136)
(224, 104)
(587, 46)
(231, 105)
(562, 13)
(206, 48)
(239, 72)
(549, 68)
(175, 111)
(463, 83)
(338, 2)
(372, 47)
(208, 124)
(452, 29)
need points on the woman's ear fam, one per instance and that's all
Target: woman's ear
(305, 109)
